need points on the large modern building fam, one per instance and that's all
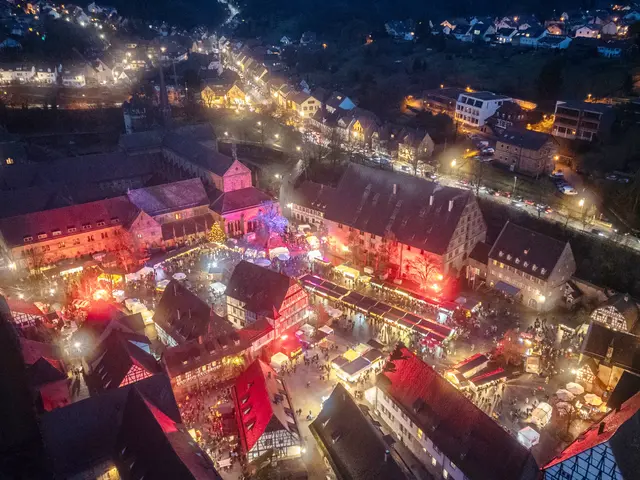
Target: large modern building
(530, 266)
(607, 450)
(376, 218)
(256, 293)
(582, 120)
(473, 109)
(448, 434)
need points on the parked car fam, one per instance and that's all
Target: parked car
(557, 174)
(611, 176)
(600, 233)
(488, 151)
(569, 190)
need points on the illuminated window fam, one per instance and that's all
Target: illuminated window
(9, 161)
(433, 461)
(178, 216)
(445, 474)
(420, 434)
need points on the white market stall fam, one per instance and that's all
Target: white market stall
(179, 276)
(143, 272)
(276, 252)
(528, 437)
(541, 414)
(218, 288)
(575, 388)
(278, 360)
(565, 395)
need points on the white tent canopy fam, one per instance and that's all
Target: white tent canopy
(592, 399)
(565, 395)
(278, 360)
(218, 287)
(575, 388)
(541, 414)
(275, 252)
(528, 437)
(143, 272)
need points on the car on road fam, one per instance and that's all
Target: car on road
(600, 233)
(569, 190)
(488, 151)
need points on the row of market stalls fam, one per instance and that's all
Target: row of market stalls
(474, 372)
(356, 361)
(430, 330)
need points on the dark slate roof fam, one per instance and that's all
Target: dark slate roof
(182, 314)
(627, 387)
(15, 229)
(170, 197)
(480, 252)
(84, 433)
(587, 106)
(114, 358)
(137, 427)
(298, 97)
(621, 430)
(524, 245)
(313, 195)
(43, 372)
(139, 141)
(355, 448)
(478, 446)
(485, 96)
(364, 200)
(196, 152)
(262, 290)
(506, 31)
(626, 347)
(527, 139)
(239, 200)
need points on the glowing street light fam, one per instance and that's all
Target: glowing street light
(277, 135)
(298, 148)
(226, 134)
(278, 176)
(581, 203)
(259, 124)
(454, 162)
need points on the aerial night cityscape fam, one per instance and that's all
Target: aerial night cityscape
(325, 240)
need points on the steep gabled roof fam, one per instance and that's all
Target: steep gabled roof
(241, 199)
(621, 430)
(365, 200)
(262, 404)
(181, 313)
(115, 356)
(355, 448)
(43, 372)
(625, 347)
(517, 245)
(195, 151)
(312, 195)
(626, 306)
(527, 139)
(478, 446)
(262, 290)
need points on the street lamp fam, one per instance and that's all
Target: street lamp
(278, 176)
(226, 134)
(453, 163)
(259, 124)
(277, 136)
(515, 183)
(581, 203)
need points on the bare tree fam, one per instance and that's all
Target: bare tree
(423, 270)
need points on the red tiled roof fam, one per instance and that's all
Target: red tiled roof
(256, 411)
(20, 306)
(464, 433)
(593, 437)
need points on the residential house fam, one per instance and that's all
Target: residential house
(588, 31)
(482, 31)
(308, 39)
(25, 314)
(255, 293)
(609, 28)
(401, 29)
(530, 266)
(377, 215)
(47, 76)
(582, 120)
(619, 312)
(264, 414)
(442, 100)
(17, 73)
(126, 432)
(505, 35)
(338, 101)
(529, 37)
(554, 42)
(477, 262)
(474, 108)
(216, 94)
(463, 32)
(557, 29)
(303, 104)
(509, 115)
(606, 449)
(446, 432)
(363, 124)
(605, 355)
(74, 78)
(349, 442)
(309, 202)
(525, 151)
(414, 144)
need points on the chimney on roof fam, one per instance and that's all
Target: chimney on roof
(386, 455)
(430, 200)
(200, 339)
(178, 312)
(395, 188)
(626, 297)
(450, 204)
(189, 313)
(601, 428)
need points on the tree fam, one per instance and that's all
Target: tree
(550, 80)
(124, 250)
(270, 222)
(216, 234)
(423, 270)
(510, 350)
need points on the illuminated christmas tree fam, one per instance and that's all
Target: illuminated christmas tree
(216, 234)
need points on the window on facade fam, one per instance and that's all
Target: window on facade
(526, 264)
(42, 235)
(420, 434)
(501, 253)
(517, 261)
(71, 229)
(434, 462)
(445, 474)
(9, 161)
(543, 271)
(453, 465)
(100, 224)
(178, 216)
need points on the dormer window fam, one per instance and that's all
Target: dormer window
(501, 253)
(71, 229)
(525, 264)
(508, 257)
(246, 410)
(543, 271)
(251, 424)
(534, 268)
(115, 220)
(100, 224)
(55, 233)
(86, 226)
(517, 261)
(27, 238)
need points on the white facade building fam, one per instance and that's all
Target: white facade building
(473, 109)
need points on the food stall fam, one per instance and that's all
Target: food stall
(528, 437)
(541, 414)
